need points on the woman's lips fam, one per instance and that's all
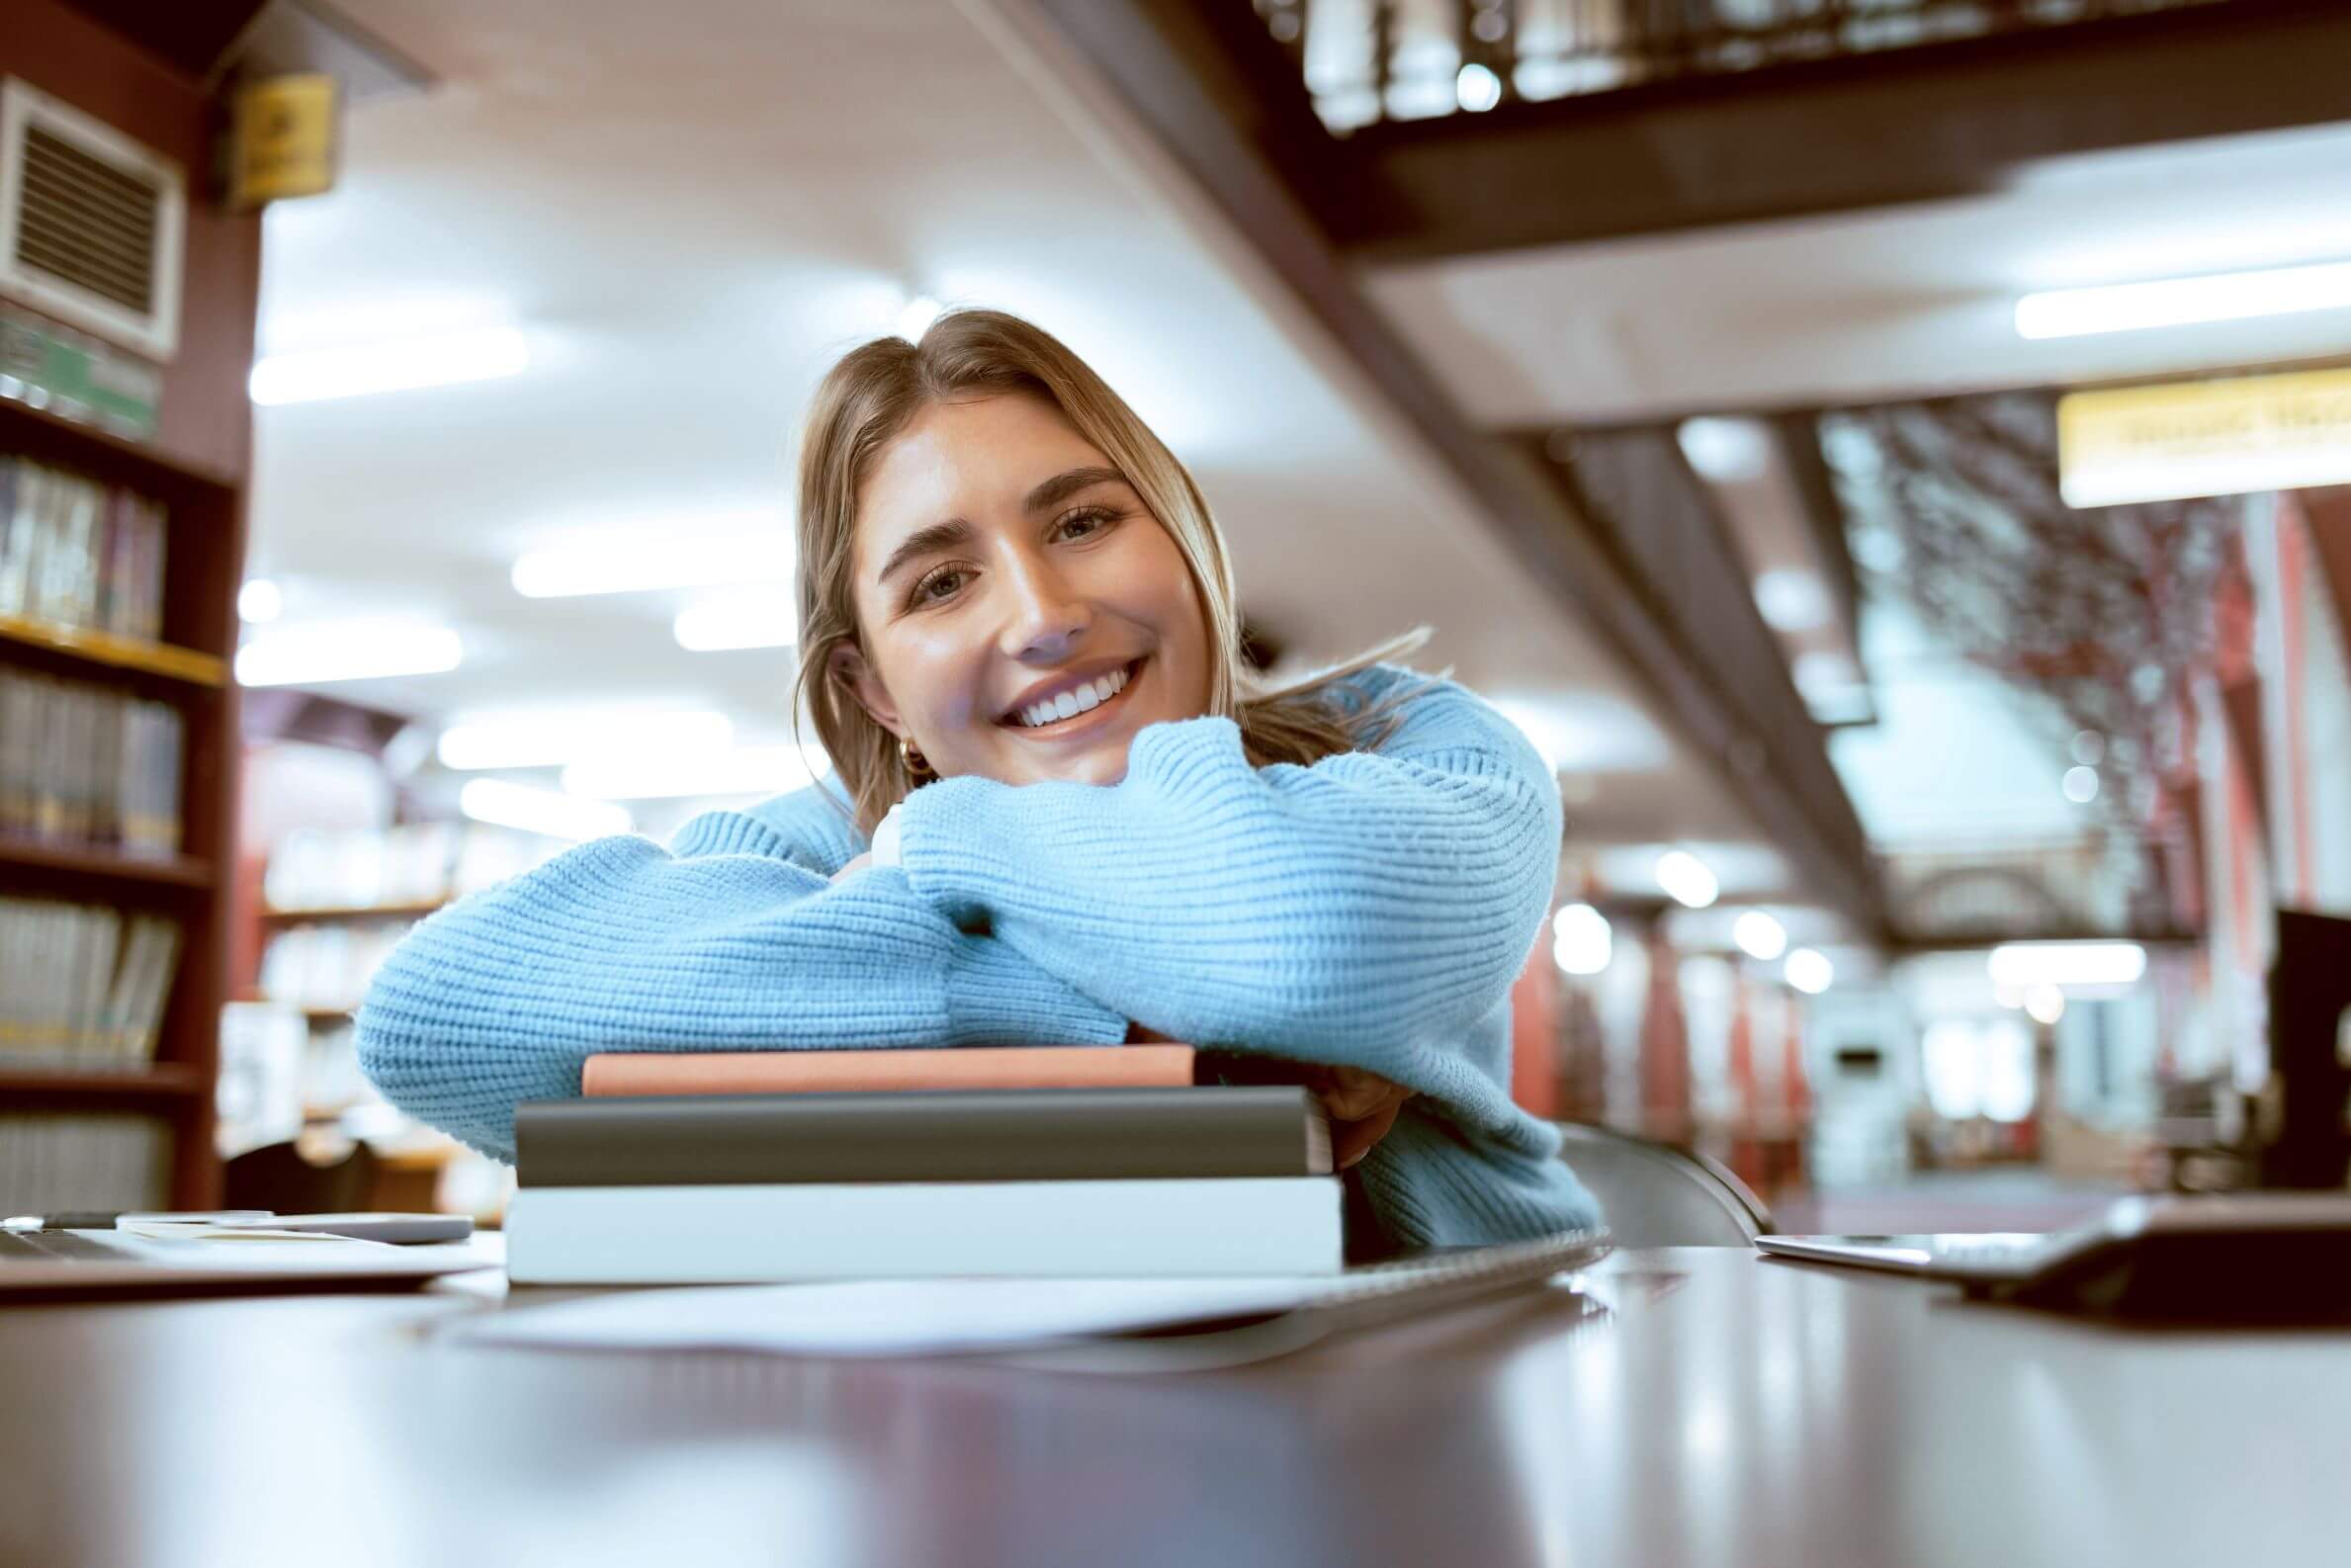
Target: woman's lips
(1081, 723)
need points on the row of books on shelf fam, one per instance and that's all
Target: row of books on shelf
(1149, 1160)
(79, 553)
(409, 866)
(85, 764)
(60, 1160)
(82, 987)
(325, 968)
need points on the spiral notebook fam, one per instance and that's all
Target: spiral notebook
(1228, 1319)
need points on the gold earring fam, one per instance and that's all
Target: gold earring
(916, 765)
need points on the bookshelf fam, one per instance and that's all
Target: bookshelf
(195, 467)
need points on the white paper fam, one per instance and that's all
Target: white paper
(885, 1317)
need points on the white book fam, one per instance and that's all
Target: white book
(151, 992)
(923, 1230)
(122, 1002)
(93, 1034)
(23, 534)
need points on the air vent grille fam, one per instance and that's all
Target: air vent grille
(86, 223)
(91, 224)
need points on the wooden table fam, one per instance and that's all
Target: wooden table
(1694, 1406)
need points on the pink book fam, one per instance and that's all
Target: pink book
(871, 1072)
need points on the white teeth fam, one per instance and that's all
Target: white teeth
(1090, 695)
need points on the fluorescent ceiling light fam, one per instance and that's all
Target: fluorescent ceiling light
(2028, 964)
(1580, 941)
(1790, 600)
(748, 620)
(1476, 88)
(746, 770)
(400, 365)
(2184, 301)
(1759, 935)
(1686, 879)
(312, 654)
(1809, 971)
(1723, 450)
(534, 810)
(259, 601)
(650, 562)
(2046, 1003)
(550, 740)
(2080, 785)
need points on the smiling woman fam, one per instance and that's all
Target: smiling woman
(1062, 811)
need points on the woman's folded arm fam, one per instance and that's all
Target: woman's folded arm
(723, 943)
(1338, 911)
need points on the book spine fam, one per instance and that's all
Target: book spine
(742, 1235)
(921, 1136)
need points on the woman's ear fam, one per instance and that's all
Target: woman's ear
(848, 667)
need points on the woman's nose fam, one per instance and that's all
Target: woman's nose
(1047, 618)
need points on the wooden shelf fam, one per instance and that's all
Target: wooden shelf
(118, 653)
(356, 912)
(180, 871)
(162, 1080)
(53, 438)
(197, 467)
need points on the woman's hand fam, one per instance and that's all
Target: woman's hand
(1362, 1105)
(853, 867)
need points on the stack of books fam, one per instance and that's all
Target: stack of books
(82, 987)
(88, 765)
(77, 553)
(731, 1167)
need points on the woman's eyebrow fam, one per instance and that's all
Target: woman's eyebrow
(1059, 487)
(925, 541)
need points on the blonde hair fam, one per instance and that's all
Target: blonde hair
(875, 391)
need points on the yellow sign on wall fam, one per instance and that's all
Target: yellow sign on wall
(282, 140)
(2230, 437)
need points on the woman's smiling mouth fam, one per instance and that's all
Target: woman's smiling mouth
(1076, 709)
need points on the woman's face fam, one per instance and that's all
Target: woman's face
(1021, 613)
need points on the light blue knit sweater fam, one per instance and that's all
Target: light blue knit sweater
(1370, 910)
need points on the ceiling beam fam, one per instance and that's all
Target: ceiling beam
(1239, 136)
(1925, 123)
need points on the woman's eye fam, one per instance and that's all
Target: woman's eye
(924, 590)
(1086, 522)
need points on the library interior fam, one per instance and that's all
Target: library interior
(1735, 623)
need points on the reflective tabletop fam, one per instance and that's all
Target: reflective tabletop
(1685, 1406)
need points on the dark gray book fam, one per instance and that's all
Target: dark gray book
(962, 1135)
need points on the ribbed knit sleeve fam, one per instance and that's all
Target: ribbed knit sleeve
(1370, 910)
(726, 941)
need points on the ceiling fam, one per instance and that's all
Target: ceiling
(690, 211)
(1886, 304)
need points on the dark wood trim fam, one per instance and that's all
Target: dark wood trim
(2328, 512)
(77, 861)
(2173, 937)
(190, 35)
(165, 1080)
(1170, 65)
(1919, 124)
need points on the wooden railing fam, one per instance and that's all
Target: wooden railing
(1372, 60)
